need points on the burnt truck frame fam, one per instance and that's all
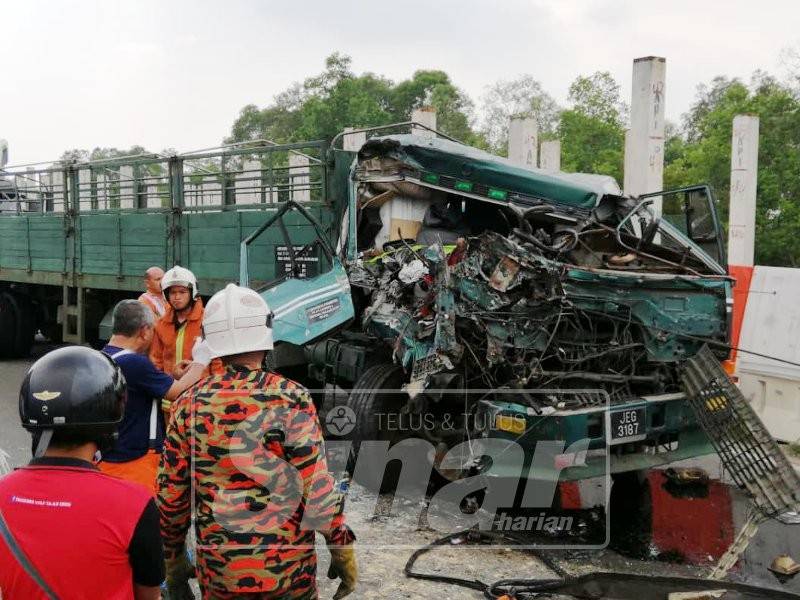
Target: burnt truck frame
(532, 281)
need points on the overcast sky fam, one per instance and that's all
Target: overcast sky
(175, 73)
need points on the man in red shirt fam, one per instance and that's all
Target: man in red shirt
(66, 529)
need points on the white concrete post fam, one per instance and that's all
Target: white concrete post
(210, 191)
(22, 184)
(644, 143)
(45, 188)
(57, 187)
(85, 189)
(248, 183)
(299, 175)
(523, 142)
(102, 192)
(153, 194)
(425, 115)
(744, 177)
(550, 157)
(352, 142)
(126, 199)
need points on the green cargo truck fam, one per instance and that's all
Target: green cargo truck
(433, 282)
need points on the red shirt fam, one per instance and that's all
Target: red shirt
(77, 526)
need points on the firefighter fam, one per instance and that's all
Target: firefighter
(66, 529)
(137, 452)
(179, 328)
(258, 471)
(153, 296)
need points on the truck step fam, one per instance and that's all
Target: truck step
(747, 450)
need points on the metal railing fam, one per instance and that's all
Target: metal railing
(252, 175)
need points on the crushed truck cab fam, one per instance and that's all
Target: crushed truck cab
(452, 294)
(473, 286)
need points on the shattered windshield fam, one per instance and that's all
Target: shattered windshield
(641, 230)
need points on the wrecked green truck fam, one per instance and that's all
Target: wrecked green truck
(439, 291)
(466, 297)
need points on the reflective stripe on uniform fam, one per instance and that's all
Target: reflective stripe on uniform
(179, 343)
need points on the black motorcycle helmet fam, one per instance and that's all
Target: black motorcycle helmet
(73, 392)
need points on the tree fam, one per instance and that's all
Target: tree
(523, 97)
(704, 155)
(323, 105)
(597, 96)
(592, 132)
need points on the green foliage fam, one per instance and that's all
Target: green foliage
(80, 155)
(597, 96)
(592, 132)
(704, 155)
(323, 105)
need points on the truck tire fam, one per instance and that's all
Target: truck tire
(8, 328)
(370, 397)
(26, 326)
(17, 326)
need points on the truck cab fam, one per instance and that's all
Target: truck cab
(489, 300)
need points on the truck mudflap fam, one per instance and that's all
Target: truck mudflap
(643, 433)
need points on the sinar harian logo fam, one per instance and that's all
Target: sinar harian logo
(340, 420)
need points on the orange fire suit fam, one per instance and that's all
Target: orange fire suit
(173, 343)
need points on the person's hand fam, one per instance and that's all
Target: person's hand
(179, 572)
(180, 369)
(344, 567)
(201, 352)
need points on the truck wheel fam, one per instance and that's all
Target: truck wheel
(26, 326)
(53, 331)
(375, 395)
(17, 326)
(8, 328)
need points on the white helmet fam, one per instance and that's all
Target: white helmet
(237, 320)
(179, 276)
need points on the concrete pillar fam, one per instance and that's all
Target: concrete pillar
(352, 142)
(425, 115)
(56, 182)
(85, 189)
(46, 191)
(550, 156)
(299, 175)
(189, 193)
(644, 143)
(22, 183)
(154, 194)
(210, 191)
(248, 183)
(744, 177)
(102, 183)
(523, 142)
(126, 199)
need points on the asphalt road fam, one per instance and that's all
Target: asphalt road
(14, 440)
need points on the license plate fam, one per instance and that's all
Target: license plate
(626, 425)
